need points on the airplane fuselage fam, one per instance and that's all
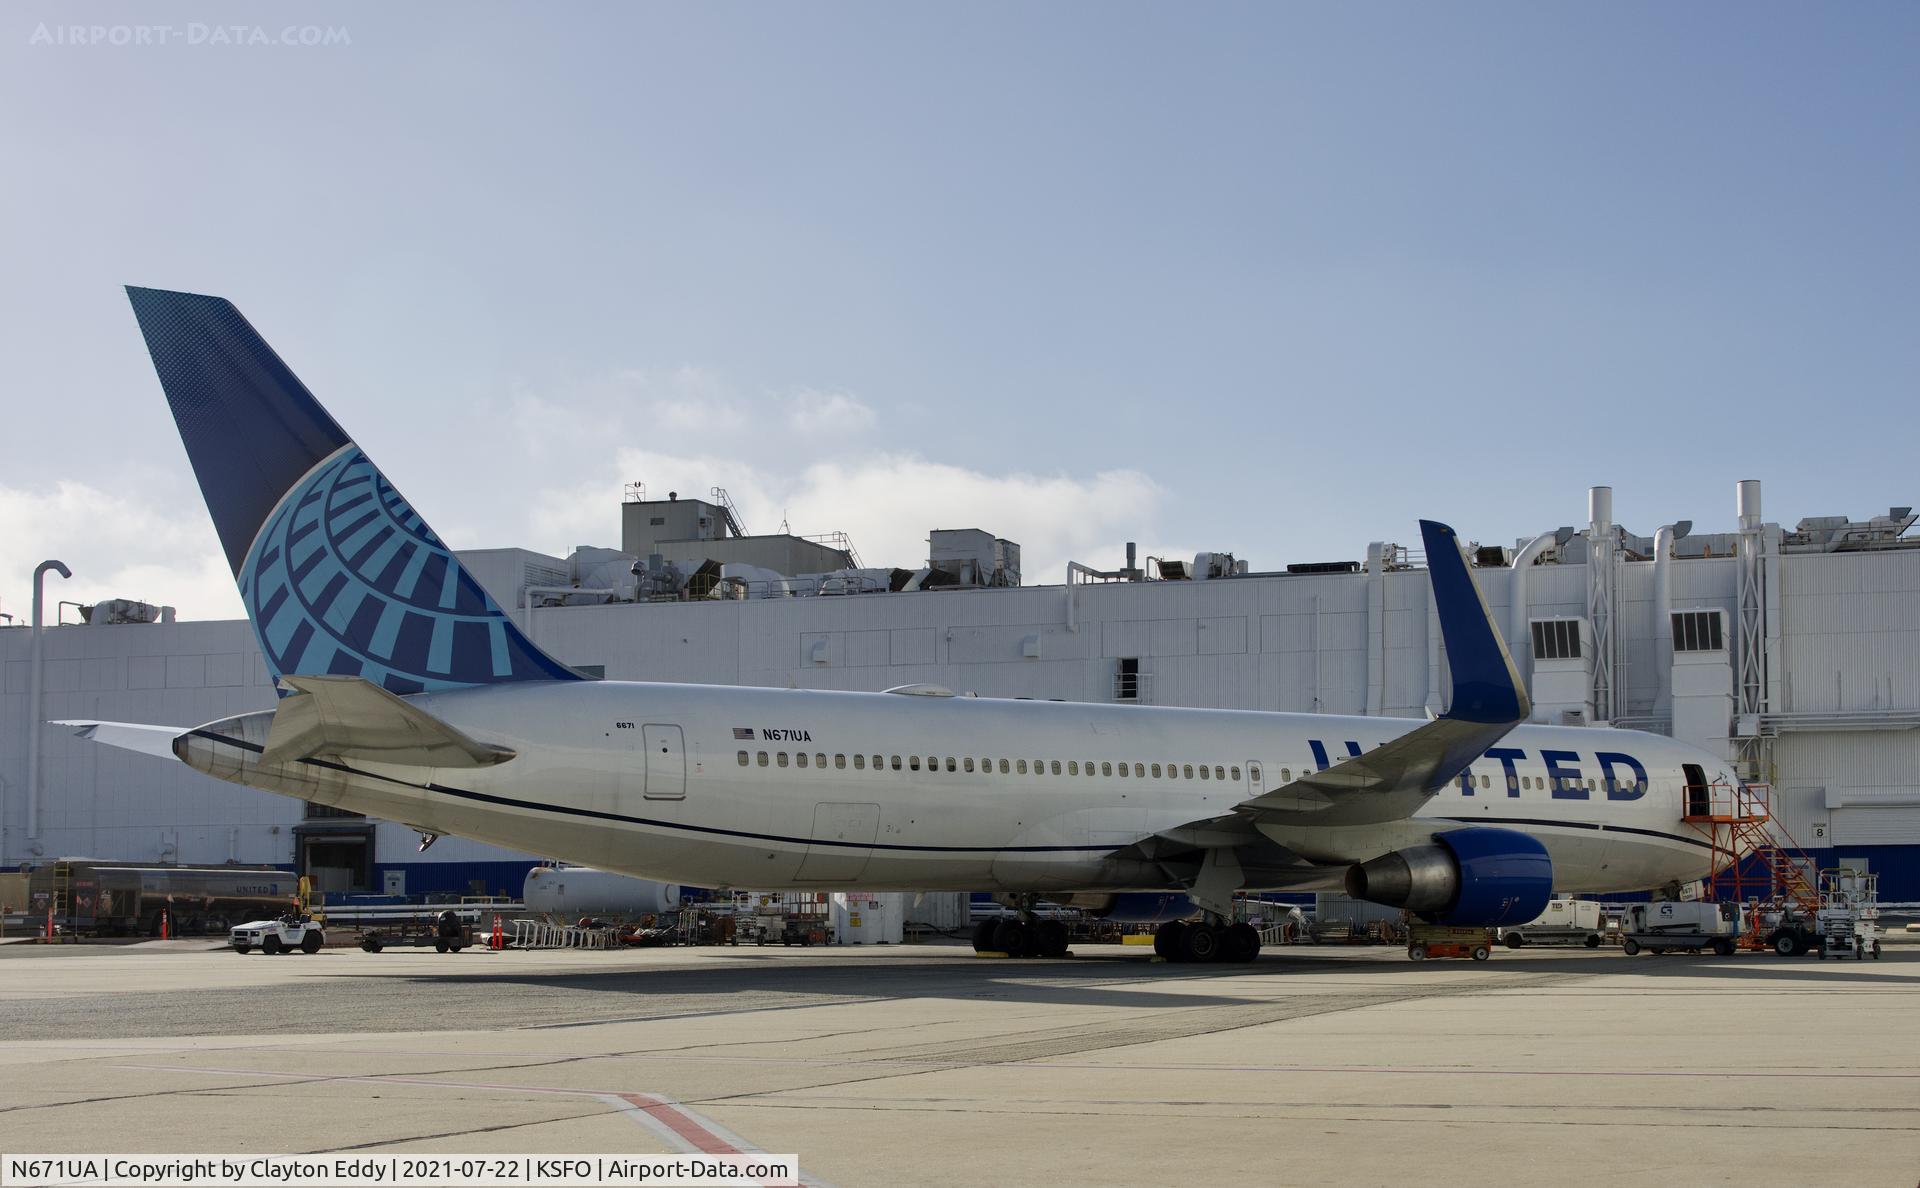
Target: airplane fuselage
(731, 787)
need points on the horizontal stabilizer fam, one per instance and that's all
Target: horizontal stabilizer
(130, 736)
(352, 716)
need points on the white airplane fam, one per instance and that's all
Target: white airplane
(407, 694)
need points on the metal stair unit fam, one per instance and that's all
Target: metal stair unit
(1737, 822)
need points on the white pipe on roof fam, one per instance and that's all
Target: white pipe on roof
(1663, 619)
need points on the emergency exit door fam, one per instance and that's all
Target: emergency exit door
(666, 762)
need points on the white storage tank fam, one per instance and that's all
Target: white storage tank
(869, 917)
(572, 891)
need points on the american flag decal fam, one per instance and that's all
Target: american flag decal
(743, 732)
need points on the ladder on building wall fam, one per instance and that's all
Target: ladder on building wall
(1737, 821)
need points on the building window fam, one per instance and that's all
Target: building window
(743, 758)
(1126, 680)
(1697, 631)
(1556, 639)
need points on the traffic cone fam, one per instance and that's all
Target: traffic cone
(499, 938)
(166, 917)
(49, 923)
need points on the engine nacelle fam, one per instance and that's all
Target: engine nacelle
(1472, 877)
(1133, 907)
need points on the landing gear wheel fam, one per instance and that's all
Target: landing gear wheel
(1167, 939)
(1482, 953)
(310, 943)
(1202, 942)
(982, 935)
(270, 945)
(1786, 944)
(1630, 947)
(1416, 952)
(249, 949)
(1242, 943)
(1050, 939)
(1514, 940)
(1013, 938)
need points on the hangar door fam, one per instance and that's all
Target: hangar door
(666, 762)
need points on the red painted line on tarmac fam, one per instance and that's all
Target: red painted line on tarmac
(673, 1118)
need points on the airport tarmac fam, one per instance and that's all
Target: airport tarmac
(928, 1065)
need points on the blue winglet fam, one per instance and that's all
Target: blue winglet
(1486, 687)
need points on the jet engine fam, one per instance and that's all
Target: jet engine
(1468, 877)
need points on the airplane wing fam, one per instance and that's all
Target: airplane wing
(348, 715)
(1394, 780)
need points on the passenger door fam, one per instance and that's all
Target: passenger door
(666, 753)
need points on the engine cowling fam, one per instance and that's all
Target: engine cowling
(1132, 907)
(1472, 877)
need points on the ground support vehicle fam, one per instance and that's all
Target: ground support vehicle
(447, 932)
(1564, 922)
(1671, 927)
(1439, 940)
(1849, 915)
(286, 934)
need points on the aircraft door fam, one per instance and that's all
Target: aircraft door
(842, 842)
(666, 753)
(1699, 795)
(1256, 782)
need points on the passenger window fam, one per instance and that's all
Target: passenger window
(1156, 771)
(1073, 767)
(950, 764)
(1089, 768)
(1286, 775)
(1140, 769)
(1236, 775)
(1123, 771)
(967, 763)
(896, 763)
(743, 758)
(839, 762)
(1004, 767)
(1106, 769)
(1056, 766)
(859, 763)
(1253, 772)
(1526, 782)
(1187, 771)
(1020, 766)
(819, 760)
(762, 760)
(1486, 781)
(913, 761)
(780, 759)
(800, 760)
(1203, 772)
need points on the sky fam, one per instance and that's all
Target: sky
(1276, 279)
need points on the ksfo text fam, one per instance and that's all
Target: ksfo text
(415, 1171)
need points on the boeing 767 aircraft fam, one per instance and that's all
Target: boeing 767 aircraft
(407, 694)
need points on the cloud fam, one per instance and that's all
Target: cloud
(814, 412)
(117, 545)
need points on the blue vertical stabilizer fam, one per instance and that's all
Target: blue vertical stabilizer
(338, 573)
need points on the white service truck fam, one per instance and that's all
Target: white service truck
(1565, 922)
(1681, 927)
(283, 935)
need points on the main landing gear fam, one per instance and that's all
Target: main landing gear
(1021, 936)
(1207, 941)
